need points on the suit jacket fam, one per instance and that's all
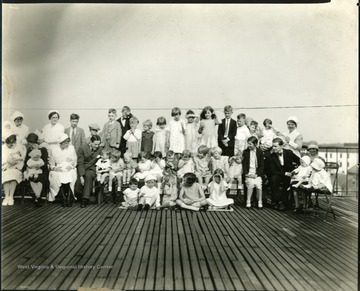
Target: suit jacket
(87, 159)
(231, 133)
(79, 138)
(112, 133)
(260, 162)
(124, 129)
(290, 162)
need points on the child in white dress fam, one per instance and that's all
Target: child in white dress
(235, 171)
(116, 169)
(133, 137)
(192, 137)
(149, 194)
(131, 195)
(319, 180)
(268, 134)
(219, 162)
(207, 129)
(34, 165)
(103, 166)
(202, 166)
(177, 128)
(157, 167)
(300, 176)
(161, 137)
(144, 166)
(129, 168)
(186, 164)
(217, 190)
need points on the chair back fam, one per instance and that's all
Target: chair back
(332, 168)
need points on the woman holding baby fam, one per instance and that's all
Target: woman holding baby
(13, 155)
(63, 161)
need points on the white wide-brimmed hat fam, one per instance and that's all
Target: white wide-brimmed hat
(292, 119)
(16, 114)
(63, 137)
(317, 164)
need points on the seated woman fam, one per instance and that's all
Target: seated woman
(319, 181)
(192, 195)
(41, 182)
(13, 156)
(63, 163)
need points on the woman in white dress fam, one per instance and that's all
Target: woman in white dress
(52, 131)
(13, 155)
(63, 163)
(293, 138)
(20, 129)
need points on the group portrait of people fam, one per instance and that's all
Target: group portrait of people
(188, 162)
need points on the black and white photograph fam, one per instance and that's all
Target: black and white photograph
(164, 146)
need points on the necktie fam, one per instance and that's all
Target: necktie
(73, 135)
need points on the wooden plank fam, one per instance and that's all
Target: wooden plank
(160, 266)
(169, 270)
(179, 277)
(48, 253)
(186, 238)
(286, 244)
(125, 240)
(210, 260)
(141, 276)
(222, 258)
(151, 270)
(96, 254)
(87, 246)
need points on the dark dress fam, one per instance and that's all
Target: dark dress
(43, 178)
(147, 141)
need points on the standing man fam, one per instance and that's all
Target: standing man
(280, 164)
(124, 121)
(226, 133)
(76, 134)
(87, 158)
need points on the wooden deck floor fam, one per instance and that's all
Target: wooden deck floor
(55, 248)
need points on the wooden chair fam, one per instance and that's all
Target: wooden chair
(332, 168)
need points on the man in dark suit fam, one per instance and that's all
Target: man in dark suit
(76, 134)
(226, 133)
(280, 164)
(124, 121)
(87, 158)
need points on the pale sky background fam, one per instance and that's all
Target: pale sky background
(87, 58)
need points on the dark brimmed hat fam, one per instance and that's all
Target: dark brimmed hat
(32, 137)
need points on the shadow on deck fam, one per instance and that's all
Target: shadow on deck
(51, 248)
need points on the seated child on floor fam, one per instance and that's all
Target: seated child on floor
(191, 196)
(170, 191)
(217, 190)
(129, 168)
(149, 194)
(34, 165)
(131, 195)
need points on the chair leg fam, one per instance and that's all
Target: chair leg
(329, 207)
(23, 193)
